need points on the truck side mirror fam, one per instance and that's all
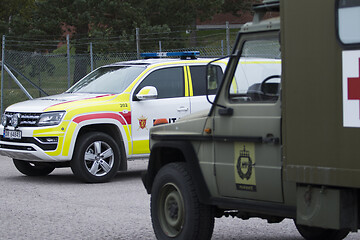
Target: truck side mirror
(146, 93)
(212, 77)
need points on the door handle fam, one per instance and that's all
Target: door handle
(182, 109)
(271, 139)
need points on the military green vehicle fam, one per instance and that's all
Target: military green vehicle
(283, 142)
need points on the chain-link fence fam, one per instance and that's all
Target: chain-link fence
(44, 74)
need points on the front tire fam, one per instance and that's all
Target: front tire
(96, 158)
(315, 233)
(32, 168)
(176, 212)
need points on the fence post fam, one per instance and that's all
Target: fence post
(91, 57)
(222, 47)
(68, 57)
(160, 47)
(137, 43)
(2, 74)
(227, 38)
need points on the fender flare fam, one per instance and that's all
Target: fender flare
(118, 137)
(156, 162)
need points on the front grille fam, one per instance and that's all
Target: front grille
(26, 119)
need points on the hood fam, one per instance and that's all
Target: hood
(41, 104)
(196, 115)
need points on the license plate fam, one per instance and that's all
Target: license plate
(12, 134)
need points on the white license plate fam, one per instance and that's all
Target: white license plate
(12, 134)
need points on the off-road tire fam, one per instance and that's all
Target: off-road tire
(316, 233)
(102, 158)
(33, 168)
(175, 208)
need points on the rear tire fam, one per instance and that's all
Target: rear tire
(33, 168)
(176, 212)
(316, 233)
(96, 157)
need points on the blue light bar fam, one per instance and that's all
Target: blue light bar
(190, 54)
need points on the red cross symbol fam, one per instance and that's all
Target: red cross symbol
(354, 87)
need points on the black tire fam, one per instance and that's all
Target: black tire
(316, 233)
(176, 212)
(33, 168)
(103, 158)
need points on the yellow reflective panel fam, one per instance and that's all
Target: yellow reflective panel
(141, 147)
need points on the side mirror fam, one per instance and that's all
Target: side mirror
(212, 77)
(147, 92)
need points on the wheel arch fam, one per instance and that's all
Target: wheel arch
(113, 131)
(163, 153)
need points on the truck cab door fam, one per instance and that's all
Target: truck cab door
(247, 125)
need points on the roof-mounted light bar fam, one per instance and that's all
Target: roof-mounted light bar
(182, 55)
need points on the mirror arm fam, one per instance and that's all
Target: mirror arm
(134, 98)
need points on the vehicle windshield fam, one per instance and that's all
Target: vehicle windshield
(112, 79)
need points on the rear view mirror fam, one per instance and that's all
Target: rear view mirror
(147, 92)
(212, 77)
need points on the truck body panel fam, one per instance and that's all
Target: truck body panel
(318, 149)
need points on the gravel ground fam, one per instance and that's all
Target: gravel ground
(58, 206)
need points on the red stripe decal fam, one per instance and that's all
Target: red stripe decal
(127, 117)
(98, 116)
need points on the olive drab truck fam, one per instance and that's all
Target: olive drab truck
(281, 143)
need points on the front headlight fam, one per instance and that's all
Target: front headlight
(4, 120)
(50, 118)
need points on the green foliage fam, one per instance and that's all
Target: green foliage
(236, 7)
(109, 24)
(11, 9)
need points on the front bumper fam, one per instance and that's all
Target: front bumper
(28, 148)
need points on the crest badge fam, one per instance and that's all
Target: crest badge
(142, 122)
(244, 162)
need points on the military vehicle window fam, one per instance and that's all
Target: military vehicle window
(169, 82)
(349, 21)
(198, 74)
(257, 77)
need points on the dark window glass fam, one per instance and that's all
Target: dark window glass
(169, 82)
(198, 78)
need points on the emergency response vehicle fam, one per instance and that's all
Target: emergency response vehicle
(281, 144)
(105, 118)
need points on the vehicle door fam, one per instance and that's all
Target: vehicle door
(170, 103)
(247, 125)
(197, 92)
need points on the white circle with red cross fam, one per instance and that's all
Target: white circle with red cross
(351, 88)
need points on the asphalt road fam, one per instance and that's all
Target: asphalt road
(58, 206)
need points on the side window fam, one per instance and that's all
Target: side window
(198, 78)
(257, 76)
(348, 20)
(169, 82)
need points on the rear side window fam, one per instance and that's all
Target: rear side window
(348, 20)
(198, 78)
(169, 82)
